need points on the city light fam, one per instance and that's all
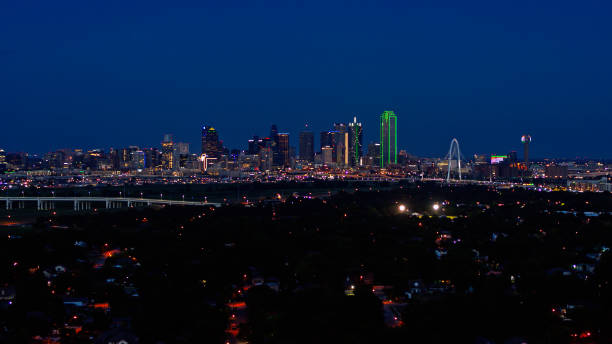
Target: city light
(436, 206)
(401, 208)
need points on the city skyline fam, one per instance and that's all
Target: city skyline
(475, 72)
(295, 143)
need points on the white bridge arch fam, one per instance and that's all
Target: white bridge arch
(454, 148)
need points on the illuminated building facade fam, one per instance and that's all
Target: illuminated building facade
(355, 142)
(388, 138)
(341, 144)
(2, 160)
(211, 145)
(283, 150)
(327, 153)
(167, 150)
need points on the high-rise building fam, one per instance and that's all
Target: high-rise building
(388, 138)
(254, 145)
(137, 159)
(307, 145)
(276, 156)
(283, 150)
(327, 154)
(2, 160)
(373, 154)
(341, 144)
(526, 140)
(266, 154)
(355, 142)
(211, 146)
(152, 158)
(168, 158)
(324, 139)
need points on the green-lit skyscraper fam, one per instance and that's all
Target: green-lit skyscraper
(388, 138)
(355, 142)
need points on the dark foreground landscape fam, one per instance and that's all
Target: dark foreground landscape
(418, 263)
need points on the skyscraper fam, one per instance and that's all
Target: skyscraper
(276, 158)
(2, 160)
(168, 162)
(254, 144)
(324, 139)
(307, 145)
(355, 142)
(341, 144)
(210, 142)
(283, 150)
(388, 139)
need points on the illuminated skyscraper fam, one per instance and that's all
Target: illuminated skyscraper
(326, 152)
(355, 142)
(283, 150)
(388, 138)
(211, 146)
(168, 162)
(341, 144)
(526, 140)
(307, 145)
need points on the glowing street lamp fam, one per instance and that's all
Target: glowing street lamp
(436, 206)
(401, 208)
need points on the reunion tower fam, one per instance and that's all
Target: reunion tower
(526, 140)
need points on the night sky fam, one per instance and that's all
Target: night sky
(89, 74)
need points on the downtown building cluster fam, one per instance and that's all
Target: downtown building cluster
(339, 153)
(340, 147)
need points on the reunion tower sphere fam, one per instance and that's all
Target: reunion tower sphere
(526, 138)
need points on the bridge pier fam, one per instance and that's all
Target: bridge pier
(9, 204)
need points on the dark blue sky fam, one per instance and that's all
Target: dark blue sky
(114, 73)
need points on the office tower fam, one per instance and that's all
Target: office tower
(526, 140)
(138, 158)
(276, 158)
(266, 154)
(324, 139)
(374, 154)
(341, 147)
(113, 156)
(2, 160)
(355, 142)
(211, 146)
(168, 162)
(283, 150)
(307, 145)
(254, 144)
(152, 158)
(125, 157)
(181, 154)
(388, 139)
(327, 153)
(181, 148)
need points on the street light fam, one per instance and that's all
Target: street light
(401, 208)
(436, 206)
